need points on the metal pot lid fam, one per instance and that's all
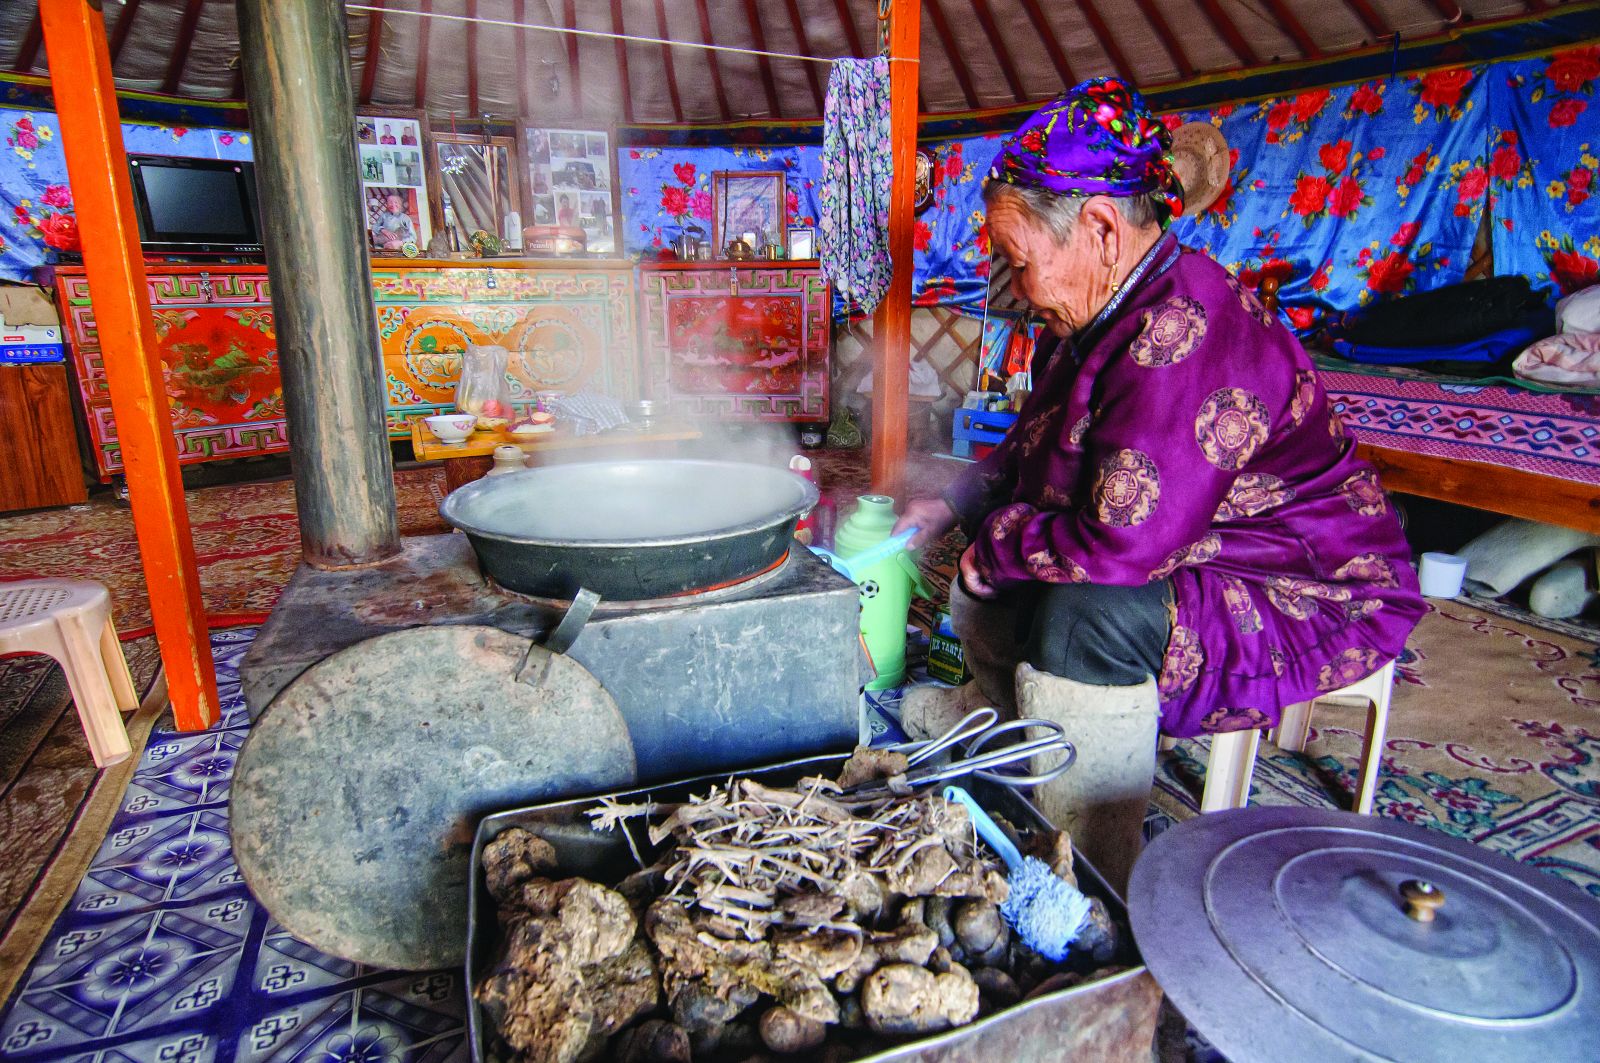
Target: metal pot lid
(360, 787)
(1284, 933)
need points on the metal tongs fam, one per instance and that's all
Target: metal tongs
(977, 730)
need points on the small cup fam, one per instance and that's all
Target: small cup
(451, 427)
(1441, 575)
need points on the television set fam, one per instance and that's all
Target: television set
(200, 207)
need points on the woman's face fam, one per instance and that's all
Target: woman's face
(1066, 282)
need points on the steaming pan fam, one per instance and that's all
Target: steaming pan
(630, 530)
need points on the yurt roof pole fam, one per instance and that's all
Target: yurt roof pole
(302, 116)
(891, 323)
(97, 166)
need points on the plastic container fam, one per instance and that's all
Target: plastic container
(975, 432)
(886, 587)
(1441, 575)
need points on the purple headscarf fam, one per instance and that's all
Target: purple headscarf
(1098, 139)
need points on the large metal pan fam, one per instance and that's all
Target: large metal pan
(630, 530)
(1108, 1020)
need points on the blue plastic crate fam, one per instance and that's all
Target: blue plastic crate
(975, 432)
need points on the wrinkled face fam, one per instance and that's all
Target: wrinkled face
(1065, 282)
(392, 204)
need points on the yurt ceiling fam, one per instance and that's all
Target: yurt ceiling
(476, 57)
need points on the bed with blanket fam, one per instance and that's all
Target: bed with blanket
(1492, 445)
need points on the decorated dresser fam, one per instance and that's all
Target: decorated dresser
(569, 325)
(219, 358)
(746, 341)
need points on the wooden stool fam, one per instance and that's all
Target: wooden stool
(1233, 753)
(71, 621)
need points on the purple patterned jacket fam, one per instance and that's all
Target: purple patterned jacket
(1185, 435)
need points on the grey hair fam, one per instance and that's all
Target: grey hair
(1060, 213)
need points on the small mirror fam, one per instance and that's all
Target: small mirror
(478, 185)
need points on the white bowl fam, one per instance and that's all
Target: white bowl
(451, 427)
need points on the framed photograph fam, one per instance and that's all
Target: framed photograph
(747, 203)
(392, 148)
(802, 242)
(571, 182)
(394, 218)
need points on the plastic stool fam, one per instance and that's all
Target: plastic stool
(71, 621)
(1233, 753)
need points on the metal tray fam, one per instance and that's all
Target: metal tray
(1112, 1020)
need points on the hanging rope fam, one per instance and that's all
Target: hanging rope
(598, 34)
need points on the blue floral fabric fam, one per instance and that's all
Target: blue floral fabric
(1547, 221)
(857, 176)
(665, 190)
(1352, 194)
(1344, 195)
(37, 218)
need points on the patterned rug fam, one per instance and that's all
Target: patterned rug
(246, 538)
(1494, 736)
(46, 772)
(163, 955)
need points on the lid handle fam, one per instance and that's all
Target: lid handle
(1423, 899)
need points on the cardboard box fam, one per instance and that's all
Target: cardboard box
(29, 344)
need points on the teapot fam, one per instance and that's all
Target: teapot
(687, 243)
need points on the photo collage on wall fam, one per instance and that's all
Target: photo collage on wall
(569, 182)
(394, 191)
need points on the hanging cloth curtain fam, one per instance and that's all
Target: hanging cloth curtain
(857, 170)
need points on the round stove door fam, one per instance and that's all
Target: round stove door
(1309, 934)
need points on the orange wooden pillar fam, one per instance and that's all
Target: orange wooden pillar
(891, 323)
(91, 133)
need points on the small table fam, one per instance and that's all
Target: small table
(467, 461)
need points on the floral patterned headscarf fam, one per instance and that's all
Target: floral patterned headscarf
(1097, 139)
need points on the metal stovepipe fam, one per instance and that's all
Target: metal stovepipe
(302, 115)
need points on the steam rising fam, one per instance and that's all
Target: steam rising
(732, 476)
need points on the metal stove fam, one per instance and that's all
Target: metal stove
(758, 672)
(396, 705)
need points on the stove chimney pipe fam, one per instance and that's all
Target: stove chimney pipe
(302, 116)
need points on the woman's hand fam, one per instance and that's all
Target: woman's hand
(971, 580)
(932, 515)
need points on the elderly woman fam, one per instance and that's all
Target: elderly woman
(1176, 525)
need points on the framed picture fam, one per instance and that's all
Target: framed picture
(478, 186)
(802, 242)
(747, 203)
(571, 182)
(392, 149)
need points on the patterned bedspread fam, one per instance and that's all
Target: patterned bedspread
(1538, 432)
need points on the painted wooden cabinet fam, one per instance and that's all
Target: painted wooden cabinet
(743, 341)
(569, 325)
(219, 358)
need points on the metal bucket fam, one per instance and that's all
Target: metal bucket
(1112, 1020)
(630, 530)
